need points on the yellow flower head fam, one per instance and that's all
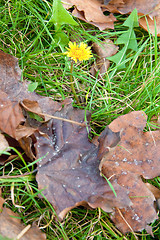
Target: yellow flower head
(78, 52)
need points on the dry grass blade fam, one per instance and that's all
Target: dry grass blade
(127, 223)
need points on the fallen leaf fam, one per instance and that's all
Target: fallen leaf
(127, 6)
(68, 171)
(10, 115)
(147, 22)
(103, 50)
(154, 190)
(142, 212)
(102, 26)
(149, 8)
(136, 154)
(10, 71)
(91, 11)
(70, 162)
(11, 227)
(3, 143)
(1, 201)
(12, 92)
(26, 144)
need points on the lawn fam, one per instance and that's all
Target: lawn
(132, 84)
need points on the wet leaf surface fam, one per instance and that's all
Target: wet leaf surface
(137, 154)
(69, 172)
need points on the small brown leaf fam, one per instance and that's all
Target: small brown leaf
(104, 50)
(102, 26)
(148, 22)
(127, 6)
(1, 201)
(26, 144)
(3, 143)
(91, 11)
(10, 72)
(10, 115)
(11, 227)
(154, 190)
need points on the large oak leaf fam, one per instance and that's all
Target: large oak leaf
(68, 171)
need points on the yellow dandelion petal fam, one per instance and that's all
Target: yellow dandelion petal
(78, 52)
(83, 45)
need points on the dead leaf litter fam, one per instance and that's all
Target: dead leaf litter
(70, 166)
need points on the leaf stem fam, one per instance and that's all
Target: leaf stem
(72, 84)
(54, 117)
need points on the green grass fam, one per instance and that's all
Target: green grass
(26, 33)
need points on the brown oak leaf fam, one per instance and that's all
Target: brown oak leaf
(91, 11)
(136, 154)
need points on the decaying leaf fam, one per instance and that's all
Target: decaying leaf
(149, 8)
(12, 93)
(127, 6)
(136, 154)
(10, 72)
(69, 170)
(142, 212)
(3, 143)
(102, 26)
(11, 227)
(10, 115)
(153, 24)
(104, 50)
(154, 190)
(91, 11)
(1, 201)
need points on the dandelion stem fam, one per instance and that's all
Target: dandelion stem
(72, 84)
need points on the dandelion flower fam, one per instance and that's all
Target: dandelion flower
(78, 52)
